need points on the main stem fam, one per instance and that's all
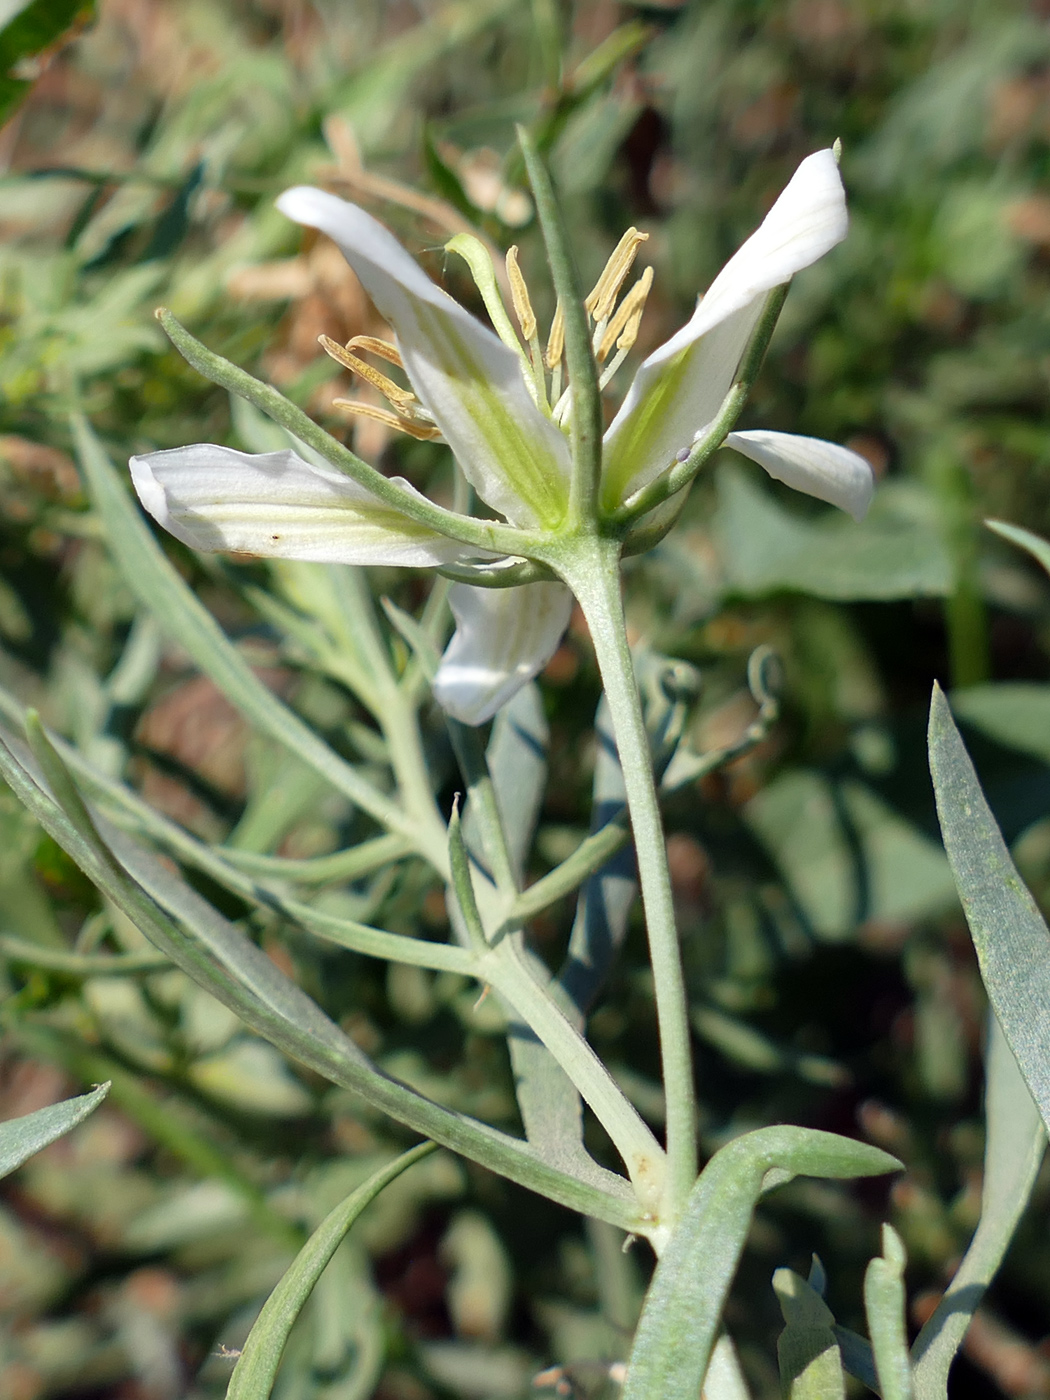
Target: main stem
(594, 576)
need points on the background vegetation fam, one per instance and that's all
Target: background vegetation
(832, 980)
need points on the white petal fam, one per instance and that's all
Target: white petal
(503, 637)
(275, 504)
(515, 458)
(821, 469)
(678, 390)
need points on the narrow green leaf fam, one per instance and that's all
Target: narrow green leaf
(683, 1309)
(603, 61)
(340, 866)
(445, 180)
(222, 960)
(186, 621)
(375, 94)
(463, 884)
(256, 1370)
(483, 820)
(21, 1137)
(1014, 1145)
(1009, 933)
(161, 1118)
(1036, 546)
(749, 1047)
(35, 25)
(885, 1303)
(22, 951)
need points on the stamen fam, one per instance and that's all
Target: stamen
(519, 294)
(556, 339)
(622, 330)
(374, 346)
(425, 432)
(603, 296)
(610, 369)
(402, 399)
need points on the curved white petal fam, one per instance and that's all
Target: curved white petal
(678, 390)
(275, 504)
(515, 458)
(503, 637)
(821, 469)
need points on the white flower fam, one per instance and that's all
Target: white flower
(479, 392)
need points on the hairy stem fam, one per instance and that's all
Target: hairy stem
(594, 576)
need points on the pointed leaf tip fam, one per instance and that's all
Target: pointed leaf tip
(21, 1138)
(1036, 546)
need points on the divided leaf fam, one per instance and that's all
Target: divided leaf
(683, 1309)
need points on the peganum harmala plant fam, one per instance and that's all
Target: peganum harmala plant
(525, 425)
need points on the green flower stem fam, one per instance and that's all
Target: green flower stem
(592, 572)
(586, 418)
(483, 534)
(377, 942)
(682, 473)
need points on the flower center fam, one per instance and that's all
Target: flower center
(614, 326)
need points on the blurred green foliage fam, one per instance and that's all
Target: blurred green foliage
(832, 981)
